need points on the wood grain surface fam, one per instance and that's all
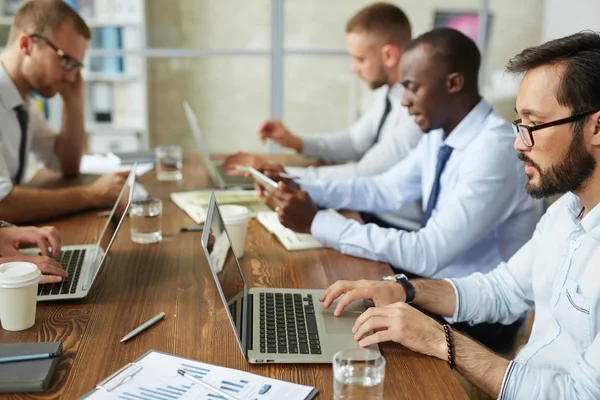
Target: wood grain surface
(139, 281)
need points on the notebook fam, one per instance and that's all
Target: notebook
(195, 203)
(27, 376)
(291, 240)
(154, 376)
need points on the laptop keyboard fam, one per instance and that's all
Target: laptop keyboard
(71, 261)
(288, 324)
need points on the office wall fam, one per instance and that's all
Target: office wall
(230, 94)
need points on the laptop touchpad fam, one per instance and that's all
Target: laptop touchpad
(344, 323)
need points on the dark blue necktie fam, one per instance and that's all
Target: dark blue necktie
(23, 117)
(443, 156)
(386, 112)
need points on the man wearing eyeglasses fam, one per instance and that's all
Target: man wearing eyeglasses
(45, 48)
(476, 211)
(556, 272)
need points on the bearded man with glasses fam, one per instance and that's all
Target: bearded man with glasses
(44, 54)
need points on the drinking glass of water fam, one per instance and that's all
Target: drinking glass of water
(145, 220)
(358, 375)
(169, 161)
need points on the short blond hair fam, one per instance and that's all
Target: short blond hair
(384, 20)
(44, 17)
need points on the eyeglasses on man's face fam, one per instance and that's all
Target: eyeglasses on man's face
(525, 132)
(66, 62)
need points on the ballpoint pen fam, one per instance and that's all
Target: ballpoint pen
(28, 357)
(193, 228)
(206, 385)
(144, 326)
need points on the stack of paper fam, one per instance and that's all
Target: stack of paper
(195, 204)
(100, 164)
(154, 376)
(289, 239)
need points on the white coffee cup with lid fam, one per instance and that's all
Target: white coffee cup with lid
(18, 295)
(236, 222)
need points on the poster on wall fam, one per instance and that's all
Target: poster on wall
(466, 22)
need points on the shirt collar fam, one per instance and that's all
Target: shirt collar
(9, 95)
(467, 129)
(591, 222)
(395, 93)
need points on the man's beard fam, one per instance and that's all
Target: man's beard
(569, 176)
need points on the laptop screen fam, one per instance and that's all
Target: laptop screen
(108, 235)
(226, 270)
(200, 145)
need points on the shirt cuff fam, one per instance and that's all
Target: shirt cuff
(327, 228)
(296, 172)
(457, 295)
(310, 146)
(508, 388)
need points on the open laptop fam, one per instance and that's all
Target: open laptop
(83, 262)
(218, 176)
(274, 325)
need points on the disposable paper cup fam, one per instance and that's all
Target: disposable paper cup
(236, 222)
(18, 295)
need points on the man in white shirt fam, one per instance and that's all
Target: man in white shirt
(476, 211)
(556, 272)
(383, 136)
(12, 238)
(46, 44)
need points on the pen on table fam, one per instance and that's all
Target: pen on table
(143, 326)
(193, 228)
(206, 385)
(27, 357)
(104, 213)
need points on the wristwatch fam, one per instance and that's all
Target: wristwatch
(408, 287)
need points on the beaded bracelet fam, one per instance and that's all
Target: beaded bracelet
(450, 346)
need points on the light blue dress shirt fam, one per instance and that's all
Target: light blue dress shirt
(483, 214)
(558, 272)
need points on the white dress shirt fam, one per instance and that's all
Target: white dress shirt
(357, 154)
(557, 272)
(483, 214)
(40, 136)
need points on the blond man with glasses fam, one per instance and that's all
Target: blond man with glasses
(44, 54)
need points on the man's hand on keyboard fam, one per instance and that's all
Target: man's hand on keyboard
(382, 293)
(14, 238)
(53, 272)
(295, 208)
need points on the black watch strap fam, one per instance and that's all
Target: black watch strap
(408, 287)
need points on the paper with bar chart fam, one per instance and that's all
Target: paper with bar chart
(157, 379)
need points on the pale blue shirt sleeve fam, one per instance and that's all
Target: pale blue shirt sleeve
(465, 216)
(388, 151)
(348, 145)
(581, 382)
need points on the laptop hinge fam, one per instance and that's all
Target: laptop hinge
(249, 321)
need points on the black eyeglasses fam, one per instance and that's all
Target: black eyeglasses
(67, 62)
(525, 132)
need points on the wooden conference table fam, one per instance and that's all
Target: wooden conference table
(139, 281)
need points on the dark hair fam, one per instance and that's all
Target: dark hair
(384, 20)
(454, 50)
(579, 88)
(44, 17)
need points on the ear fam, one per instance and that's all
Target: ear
(455, 83)
(25, 43)
(595, 122)
(391, 55)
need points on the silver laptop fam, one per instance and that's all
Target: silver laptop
(83, 262)
(219, 177)
(274, 325)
